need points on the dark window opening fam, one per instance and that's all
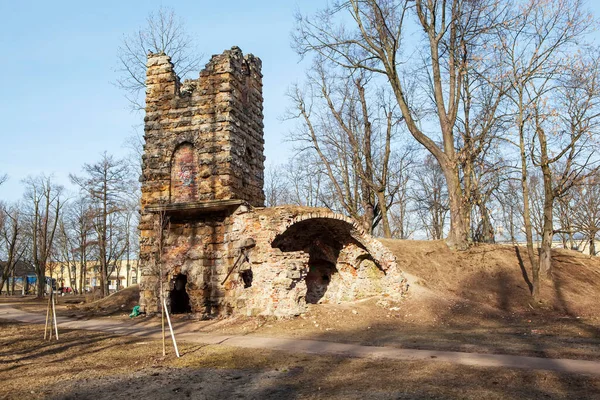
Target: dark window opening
(180, 300)
(246, 276)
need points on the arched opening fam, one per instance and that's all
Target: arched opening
(247, 276)
(178, 296)
(334, 256)
(184, 171)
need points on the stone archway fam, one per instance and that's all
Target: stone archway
(337, 262)
(380, 254)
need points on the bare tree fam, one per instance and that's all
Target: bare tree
(565, 210)
(80, 226)
(12, 241)
(562, 148)
(276, 190)
(164, 33)
(511, 205)
(401, 167)
(44, 205)
(377, 43)
(480, 127)
(118, 240)
(134, 143)
(431, 198)
(349, 123)
(107, 184)
(65, 253)
(536, 205)
(131, 219)
(305, 177)
(536, 46)
(586, 210)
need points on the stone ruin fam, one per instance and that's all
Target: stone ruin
(207, 241)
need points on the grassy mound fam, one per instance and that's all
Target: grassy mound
(494, 279)
(118, 302)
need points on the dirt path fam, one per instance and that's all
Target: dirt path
(315, 346)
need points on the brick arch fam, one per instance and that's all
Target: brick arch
(376, 249)
(184, 174)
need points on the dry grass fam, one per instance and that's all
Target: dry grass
(101, 366)
(82, 306)
(474, 301)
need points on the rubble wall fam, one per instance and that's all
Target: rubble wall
(218, 116)
(201, 207)
(203, 142)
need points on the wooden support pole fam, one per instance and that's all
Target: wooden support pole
(171, 328)
(235, 264)
(54, 315)
(47, 316)
(162, 317)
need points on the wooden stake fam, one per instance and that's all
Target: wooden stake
(51, 322)
(54, 314)
(170, 328)
(162, 316)
(47, 316)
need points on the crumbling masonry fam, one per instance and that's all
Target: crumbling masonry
(204, 231)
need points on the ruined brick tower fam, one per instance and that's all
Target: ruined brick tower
(204, 138)
(207, 244)
(203, 152)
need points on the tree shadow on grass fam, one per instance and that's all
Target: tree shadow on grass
(262, 374)
(523, 269)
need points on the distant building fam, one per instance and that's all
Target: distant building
(23, 279)
(121, 275)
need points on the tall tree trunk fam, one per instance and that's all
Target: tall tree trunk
(535, 268)
(12, 276)
(487, 230)
(368, 218)
(81, 272)
(41, 281)
(69, 275)
(457, 237)
(549, 195)
(468, 192)
(104, 278)
(387, 232)
(547, 228)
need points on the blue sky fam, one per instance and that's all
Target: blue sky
(58, 107)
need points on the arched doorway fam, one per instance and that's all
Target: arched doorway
(178, 296)
(330, 270)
